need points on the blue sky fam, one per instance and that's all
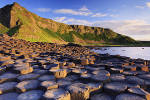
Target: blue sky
(129, 17)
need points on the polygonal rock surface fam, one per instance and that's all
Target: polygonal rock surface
(46, 78)
(7, 76)
(8, 86)
(41, 72)
(140, 91)
(28, 77)
(60, 73)
(27, 85)
(135, 80)
(57, 94)
(31, 95)
(115, 87)
(95, 87)
(64, 83)
(117, 77)
(9, 96)
(101, 96)
(49, 85)
(79, 91)
(127, 96)
(24, 70)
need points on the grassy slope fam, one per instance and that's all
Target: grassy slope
(30, 30)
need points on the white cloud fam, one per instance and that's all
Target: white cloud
(72, 21)
(138, 29)
(148, 4)
(43, 9)
(99, 15)
(59, 19)
(73, 12)
(84, 8)
(140, 7)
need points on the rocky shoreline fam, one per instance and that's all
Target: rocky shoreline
(45, 71)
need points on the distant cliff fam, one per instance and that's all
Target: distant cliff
(20, 23)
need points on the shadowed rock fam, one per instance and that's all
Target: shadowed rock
(7, 77)
(31, 95)
(28, 77)
(115, 87)
(9, 96)
(140, 91)
(7, 87)
(101, 96)
(79, 91)
(27, 85)
(127, 96)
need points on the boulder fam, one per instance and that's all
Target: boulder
(115, 87)
(9, 96)
(46, 78)
(49, 85)
(128, 96)
(60, 73)
(27, 85)
(8, 77)
(57, 94)
(30, 76)
(101, 96)
(79, 91)
(31, 95)
(24, 70)
(140, 91)
(95, 87)
(7, 87)
(117, 77)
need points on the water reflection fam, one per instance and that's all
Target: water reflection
(133, 52)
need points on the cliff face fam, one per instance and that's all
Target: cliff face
(20, 23)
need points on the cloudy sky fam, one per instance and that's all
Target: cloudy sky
(129, 17)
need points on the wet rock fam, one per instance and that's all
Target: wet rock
(101, 75)
(140, 91)
(135, 80)
(128, 96)
(7, 77)
(27, 85)
(117, 77)
(31, 95)
(116, 70)
(57, 94)
(101, 96)
(28, 77)
(49, 85)
(130, 68)
(9, 96)
(79, 91)
(145, 76)
(95, 87)
(64, 83)
(41, 72)
(71, 64)
(115, 87)
(7, 87)
(129, 73)
(46, 78)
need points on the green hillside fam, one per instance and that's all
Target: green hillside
(22, 24)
